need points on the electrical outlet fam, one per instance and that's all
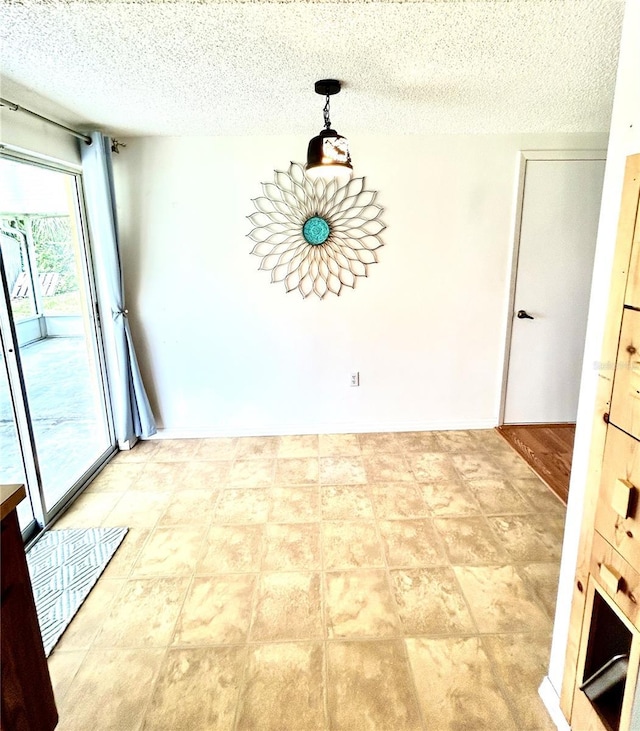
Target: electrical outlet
(355, 378)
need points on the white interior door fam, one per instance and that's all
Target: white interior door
(557, 237)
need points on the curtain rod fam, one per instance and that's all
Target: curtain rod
(13, 107)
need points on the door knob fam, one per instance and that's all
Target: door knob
(522, 315)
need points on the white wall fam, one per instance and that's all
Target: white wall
(624, 140)
(223, 351)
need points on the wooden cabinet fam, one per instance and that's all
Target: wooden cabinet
(603, 650)
(27, 696)
(616, 578)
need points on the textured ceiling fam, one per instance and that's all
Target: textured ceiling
(246, 67)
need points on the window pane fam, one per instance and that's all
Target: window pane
(60, 358)
(16, 262)
(57, 265)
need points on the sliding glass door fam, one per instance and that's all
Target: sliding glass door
(54, 390)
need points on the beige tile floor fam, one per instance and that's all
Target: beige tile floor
(371, 581)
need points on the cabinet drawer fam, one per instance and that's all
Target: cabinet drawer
(618, 513)
(625, 402)
(617, 578)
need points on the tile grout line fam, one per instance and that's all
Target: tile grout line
(323, 607)
(532, 589)
(154, 685)
(179, 613)
(467, 634)
(60, 698)
(498, 681)
(403, 635)
(247, 642)
(112, 604)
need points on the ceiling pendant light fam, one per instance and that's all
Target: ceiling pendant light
(328, 153)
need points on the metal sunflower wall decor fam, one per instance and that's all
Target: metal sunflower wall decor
(315, 235)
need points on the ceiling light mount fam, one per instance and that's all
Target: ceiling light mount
(328, 153)
(328, 87)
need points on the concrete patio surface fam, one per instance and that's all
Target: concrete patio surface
(66, 411)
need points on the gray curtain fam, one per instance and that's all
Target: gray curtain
(132, 413)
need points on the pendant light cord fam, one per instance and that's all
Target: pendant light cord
(327, 121)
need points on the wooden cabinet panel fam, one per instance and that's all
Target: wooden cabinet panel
(621, 465)
(625, 403)
(606, 562)
(632, 296)
(27, 697)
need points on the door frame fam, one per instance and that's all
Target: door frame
(524, 156)
(45, 517)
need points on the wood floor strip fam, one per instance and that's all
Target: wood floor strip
(547, 449)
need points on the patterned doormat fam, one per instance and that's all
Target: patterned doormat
(64, 565)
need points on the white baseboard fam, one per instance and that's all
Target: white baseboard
(128, 444)
(325, 428)
(551, 701)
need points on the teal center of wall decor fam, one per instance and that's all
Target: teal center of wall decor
(315, 230)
